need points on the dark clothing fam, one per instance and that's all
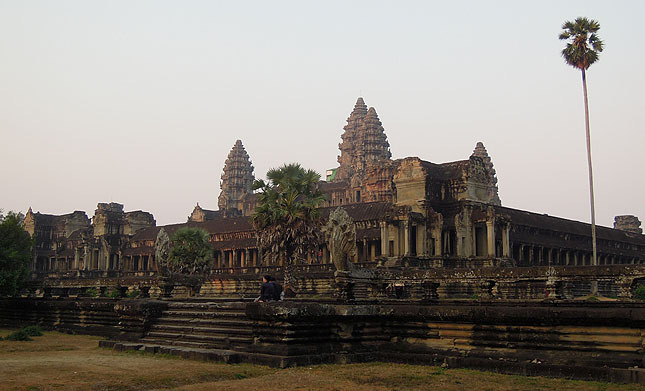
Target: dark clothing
(289, 293)
(267, 292)
(277, 290)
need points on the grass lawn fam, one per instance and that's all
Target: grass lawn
(58, 361)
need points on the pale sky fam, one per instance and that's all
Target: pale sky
(139, 102)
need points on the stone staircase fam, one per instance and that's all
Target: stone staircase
(211, 330)
(202, 325)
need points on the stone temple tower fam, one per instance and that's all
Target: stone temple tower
(364, 142)
(371, 146)
(237, 179)
(481, 152)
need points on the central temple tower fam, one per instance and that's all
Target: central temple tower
(364, 143)
(237, 179)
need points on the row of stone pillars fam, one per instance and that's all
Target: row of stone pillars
(411, 239)
(403, 238)
(484, 239)
(84, 259)
(237, 258)
(530, 255)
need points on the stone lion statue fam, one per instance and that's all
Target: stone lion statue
(340, 235)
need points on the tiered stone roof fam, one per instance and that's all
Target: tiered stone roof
(372, 146)
(364, 142)
(237, 178)
(481, 152)
(348, 145)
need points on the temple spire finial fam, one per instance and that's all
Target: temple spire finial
(480, 150)
(360, 109)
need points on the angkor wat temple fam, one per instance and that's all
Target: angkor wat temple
(408, 212)
(442, 274)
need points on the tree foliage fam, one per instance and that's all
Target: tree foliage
(639, 292)
(287, 218)
(15, 254)
(190, 251)
(583, 43)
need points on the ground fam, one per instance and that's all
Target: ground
(58, 361)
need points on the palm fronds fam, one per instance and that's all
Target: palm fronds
(583, 43)
(287, 216)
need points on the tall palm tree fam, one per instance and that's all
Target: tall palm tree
(287, 217)
(583, 46)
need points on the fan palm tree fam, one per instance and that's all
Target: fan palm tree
(287, 217)
(583, 46)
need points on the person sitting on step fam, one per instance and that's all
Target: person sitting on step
(267, 290)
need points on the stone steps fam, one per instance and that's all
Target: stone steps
(198, 352)
(204, 330)
(207, 325)
(202, 314)
(194, 352)
(187, 344)
(224, 336)
(241, 306)
(207, 322)
(183, 343)
(186, 329)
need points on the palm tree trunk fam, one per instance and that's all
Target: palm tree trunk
(288, 272)
(591, 197)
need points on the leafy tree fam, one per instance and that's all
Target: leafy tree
(287, 218)
(190, 251)
(19, 215)
(639, 292)
(15, 254)
(582, 49)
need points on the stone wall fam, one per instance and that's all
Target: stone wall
(494, 283)
(616, 282)
(590, 341)
(122, 319)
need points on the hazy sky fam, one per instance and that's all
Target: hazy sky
(139, 102)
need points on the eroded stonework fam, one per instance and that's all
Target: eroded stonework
(407, 212)
(628, 223)
(237, 179)
(70, 243)
(340, 237)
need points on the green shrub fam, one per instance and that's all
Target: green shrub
(92, 292)
(114, 293)
(33, 331)
(133, 294)
(639, 292)
(19, 335)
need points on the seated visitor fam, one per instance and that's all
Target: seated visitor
(267, 291)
